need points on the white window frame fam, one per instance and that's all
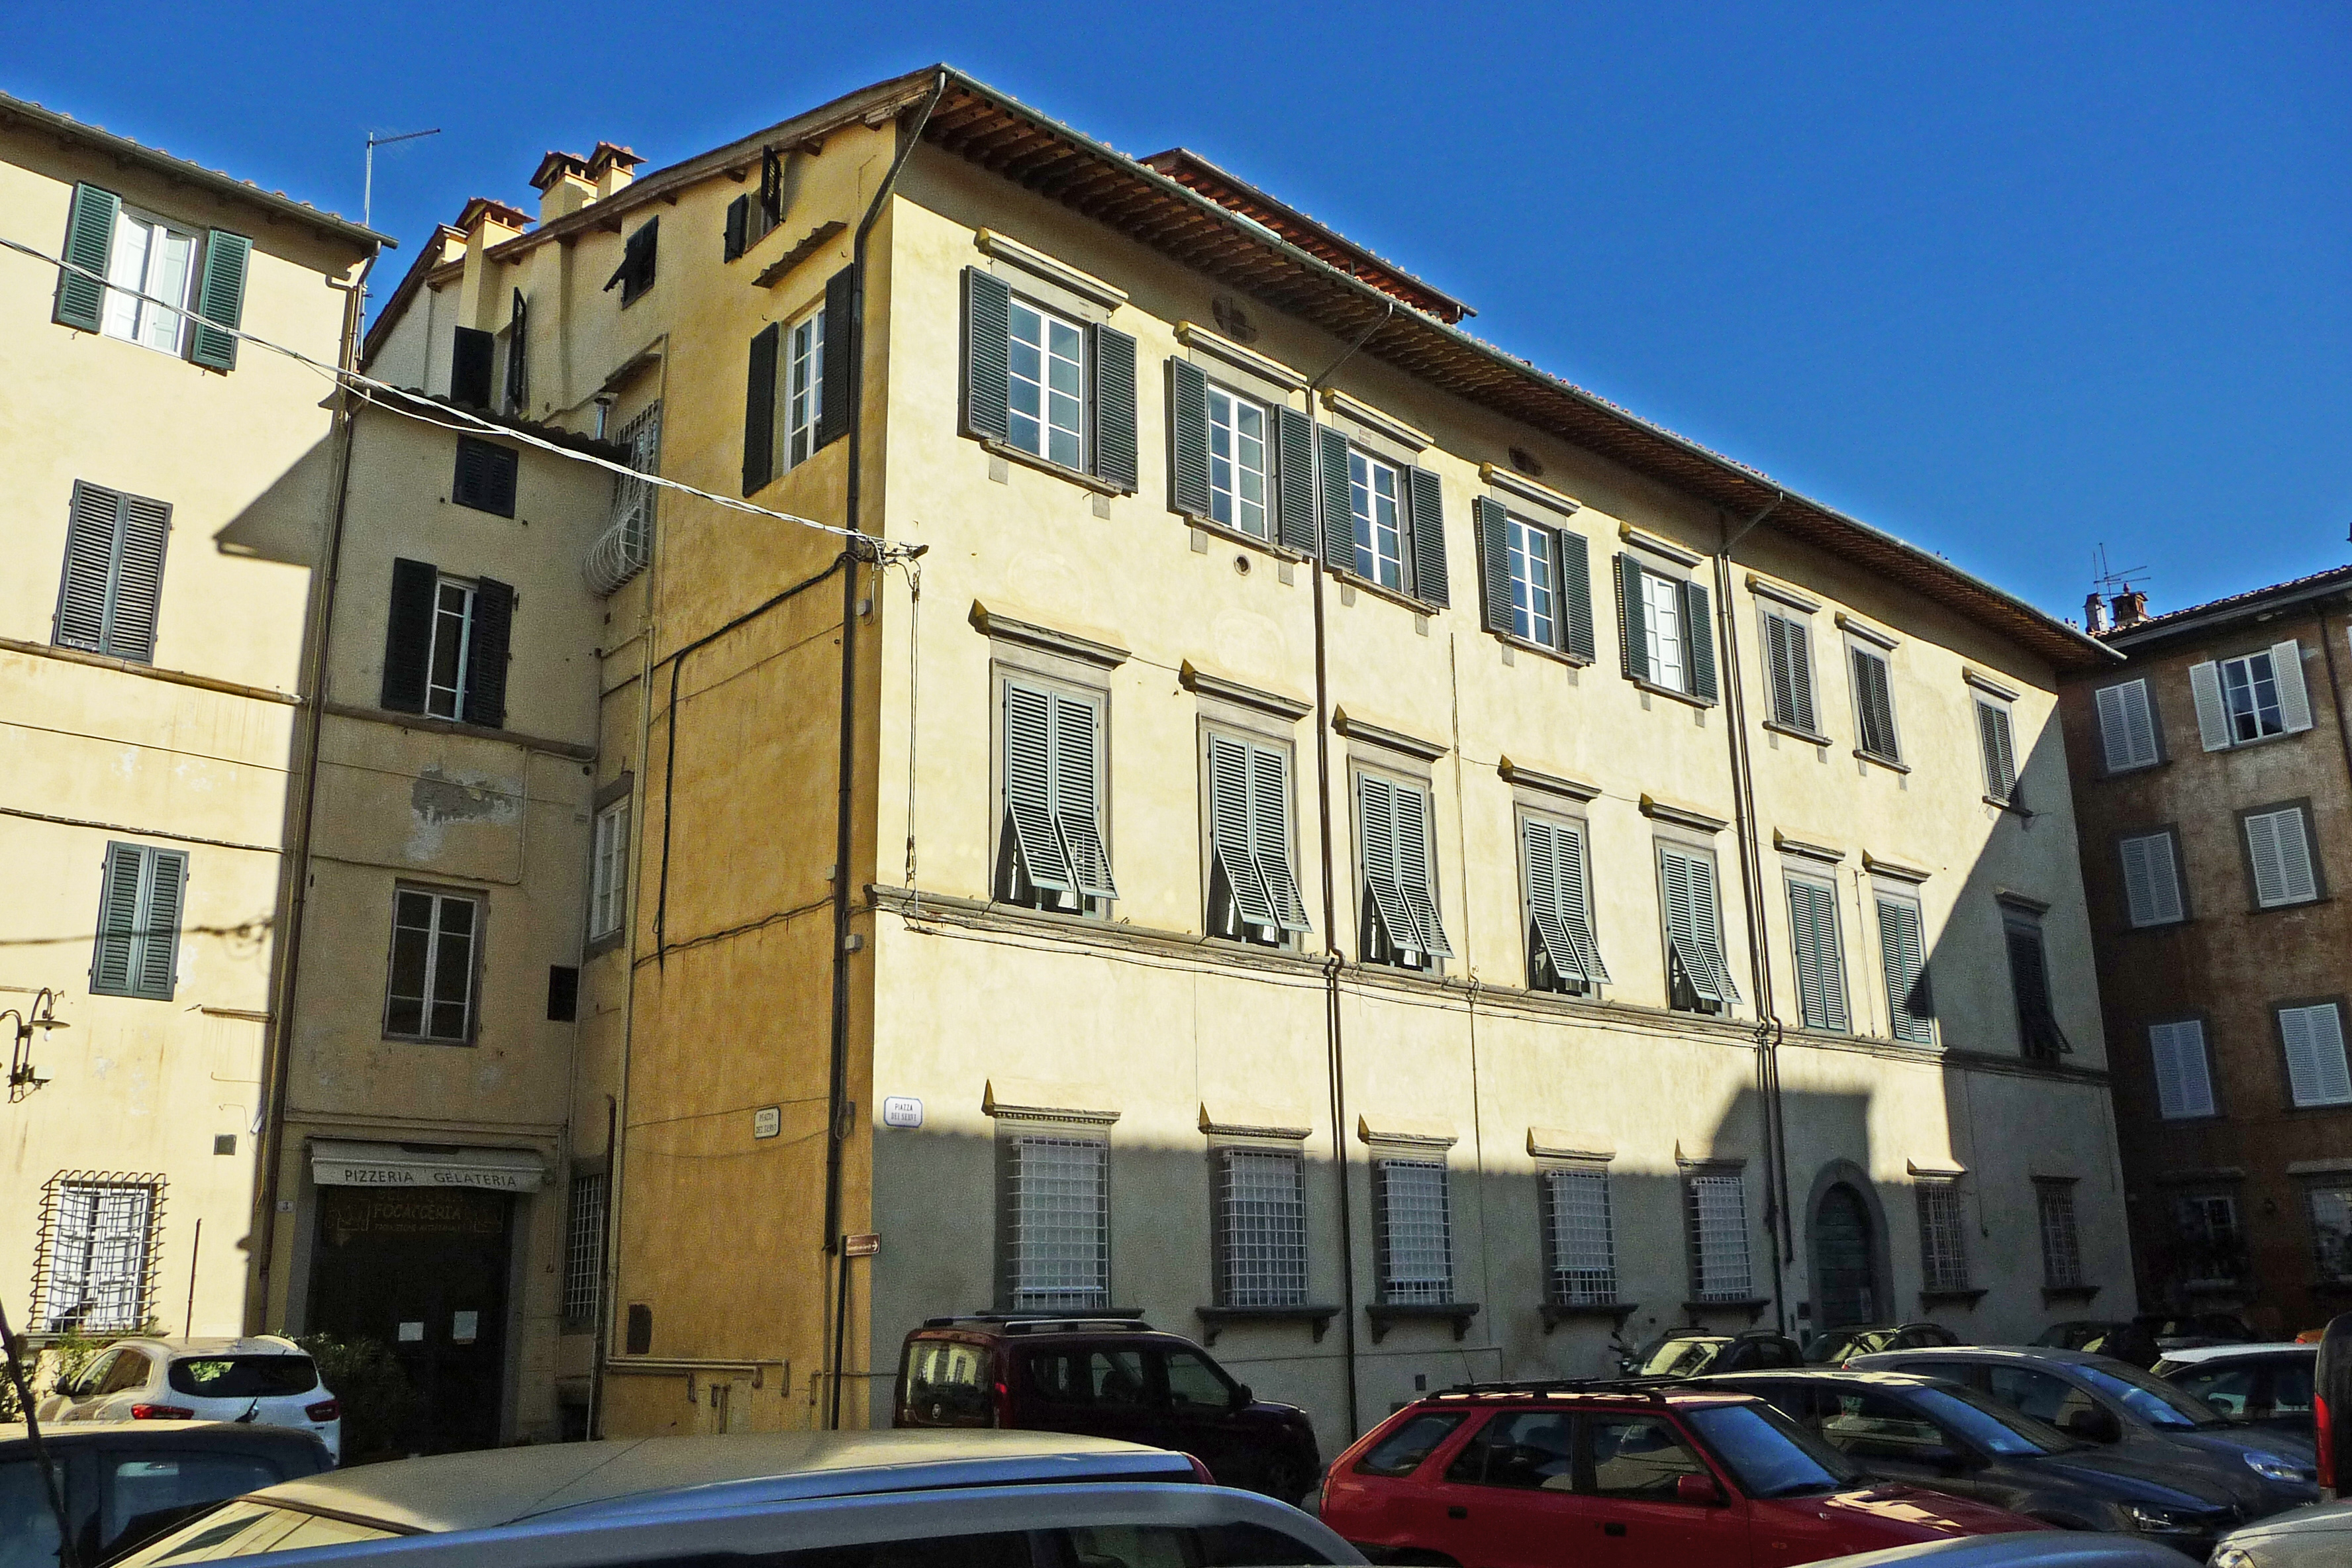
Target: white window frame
(626, 546)
(1050, 1258)
(2118, 706)
(1531, 558)
(1059, 886)
(2241, 697)
(2153, 895)
(1663, 597)
(1046, 426)
(448, 701)
(2310, 1033)
(79, 1255)
(1412, 1191)
(608, 896)
(441, 898)
(2183, 1067)
(1398, 923)
(1259, 1224)
(1230, 472)
(1579, 1237)
(1574, 926)
(132, 319)
(803, 385)
(1383, 550)
(1943, 1236)
(1722, 1260)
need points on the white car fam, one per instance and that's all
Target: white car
(267, 1379)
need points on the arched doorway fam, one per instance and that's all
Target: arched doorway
(1845, 1262)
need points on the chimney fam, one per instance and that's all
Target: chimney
(610, 167)
(2131, 608)
(564, 185)
(485, 223)
(2094, 614)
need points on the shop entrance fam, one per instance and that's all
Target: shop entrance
(422, 1270)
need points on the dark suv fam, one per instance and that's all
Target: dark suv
(1104, 1377)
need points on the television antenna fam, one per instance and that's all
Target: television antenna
(367, 192)
(2113, 582)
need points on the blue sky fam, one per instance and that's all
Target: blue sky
(2011, 281)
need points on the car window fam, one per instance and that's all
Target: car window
(245, 1530)
(2291, 1385)
(2037, 1394)
(1769, 1354)
(1867, 1424)
(1638, 1457)
(1194, 1384)
(2158, 1404)
(947, 1382)
(1531, 1450)
(1770, 1455)
(1402, 1451)
(1113, 1378)
(127, 1373)
(1683, 1358)
(245, 1376)
(86, 1382)
(2228, 1388)
(137, 1491)
(28, 1531)
(1968, 1418)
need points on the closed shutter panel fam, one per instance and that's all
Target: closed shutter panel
(1779, 662)
(518, 356)
(2184, 1083)
(1076, 795)
(1877, 700)
(2127, 726)
(2212, 716)
(139, 579)
(85, 591)
(159, 922)
(471, 351)
(1699, 637)
(1028, 785)
(1633, 633)
(1903, 956)
(1339, 516)
(220, 301)
(760, 408)
(1575, 595)
(1707, 927)
(1680, 877)
(114, 967)
(987, 347)
(2164, 1053)
(1800, 676)
(1376, 822)
(1492, 526)
(2151, 882)
(408, 637)
(486, 654)
(2000, 758)
(1270, 835)
(1804, 925)
(1414, 813)
(1230, 830)
(90, 246)
(1115, 457)
(1294, 479)
(2281, 853)
(739, 223)
(1430, 584)
(2138, 898)
(843, 354)
(1188, 445)
(2295, 701)
(2316, 1069)
(1539, 842)
(1575, 908)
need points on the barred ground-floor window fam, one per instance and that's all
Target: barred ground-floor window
(95, 1268)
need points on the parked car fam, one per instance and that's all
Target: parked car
(2186, 1330)
(2123, 1342)
(266, 1379)
(1829, 1347)
(1687, 1353)
(1104, 1377)
(125, 1481)
(2262, 1384)
(1535, 1475)
(2104, 1401)
(1948, 1436)
(2048, 1550)
(2315, 1537)
(839, 1499)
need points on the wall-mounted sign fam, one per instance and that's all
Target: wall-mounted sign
(902, 1111)
(864, 1246)
(465, 1328)
(411, 1333)
(767, 1121)
(336, 1163)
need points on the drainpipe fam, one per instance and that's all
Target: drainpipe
(1769, 1029)
(1334, 1045)
(837, 1107)
(2335, 693)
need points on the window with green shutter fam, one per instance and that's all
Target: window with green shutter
(1820, 960)
(140, 894)
(1561, 952)
(1788, 669)
(1999, 749)
(112, 583)
(1400, 921)
(1697, 978)
(1043, 383)
(1051, 849)
(2039, 1036)
(1535, 581)
(1253, 889)
(1903, 958)
(1874, 703)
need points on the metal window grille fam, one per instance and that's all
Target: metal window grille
(1416, 1243)
(583, 1247)
(1057, 1235)
(2062, 1251)
(2331, 1231)
(1943, 1236)
(1261, 1229)
(1579, 1244)
(626, 546)
(1719, 1238)
(94, 1265)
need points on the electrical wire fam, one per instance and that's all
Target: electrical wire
(404, 402)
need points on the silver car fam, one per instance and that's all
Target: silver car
(799, 1500)
(2319, 1536)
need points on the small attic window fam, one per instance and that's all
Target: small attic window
(636, 273)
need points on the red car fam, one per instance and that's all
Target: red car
(1550, 1475)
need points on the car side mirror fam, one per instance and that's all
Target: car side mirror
(1244, 1396)
(1699, 1490)
(2094, 1426)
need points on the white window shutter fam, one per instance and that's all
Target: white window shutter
(2184, 1084)
(2137, 898)
(2315, 1070)
(2281, 851)
(2127, 726)
(2212, 718)
(2151, 880)
(2295, 701)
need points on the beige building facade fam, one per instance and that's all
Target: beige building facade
(1303, 826)
(164, 490)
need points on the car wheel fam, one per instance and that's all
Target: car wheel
(1283, 1480)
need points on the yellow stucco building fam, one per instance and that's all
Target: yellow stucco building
(1287, 819)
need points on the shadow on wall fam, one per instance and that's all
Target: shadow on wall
(287, 522)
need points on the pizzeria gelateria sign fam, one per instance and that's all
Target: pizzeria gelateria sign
(349, 1165)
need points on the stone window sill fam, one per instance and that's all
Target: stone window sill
(2052, 1294)
(1933, 1299)
(1013, 454)
(1232, 535)
(1890, 764)
(1215, 1320)
(1646, 684)
(1807, 736)
(1521, 645)
(1397, 597)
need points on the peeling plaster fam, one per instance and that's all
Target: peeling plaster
(440, 798)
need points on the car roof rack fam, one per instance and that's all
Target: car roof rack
(1040, 1323)
(1653, 1389)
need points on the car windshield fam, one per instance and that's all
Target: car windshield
(246, 1529)
(2158, 1404)
(1993, 1427)
(1684, 1357)
(244, 1376)
(1771, 1455)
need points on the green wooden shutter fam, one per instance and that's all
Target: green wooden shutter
(1682, 931)
(1188, 441)
(114, 966)
(1293, 480)
(760, 408)
(1909, 1007)
(2029, 975)
(146, 529)
(1492, 526)
(162, 891)
(1575, 908)
(1778, 673)
(1077, 799)
(86, 587)
(89, 246)
(1698, 640)
(408, 637)
(1231, 830)
(518, 355)
(1538, 843)
(1821, 985)
(1029, 785)
(987, 350)
(1633, 619)
(1576, 596)
(1874, 704)
(1430, 584)
(1999, 756)
(1415, 815)
(1114, 445)
(1338, 512)
(1800, 652)
(739, 223)
(1706, 923)
(220, 299)
(486, 654)
(1376, 824)
(1270, 835)
(842, 354)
